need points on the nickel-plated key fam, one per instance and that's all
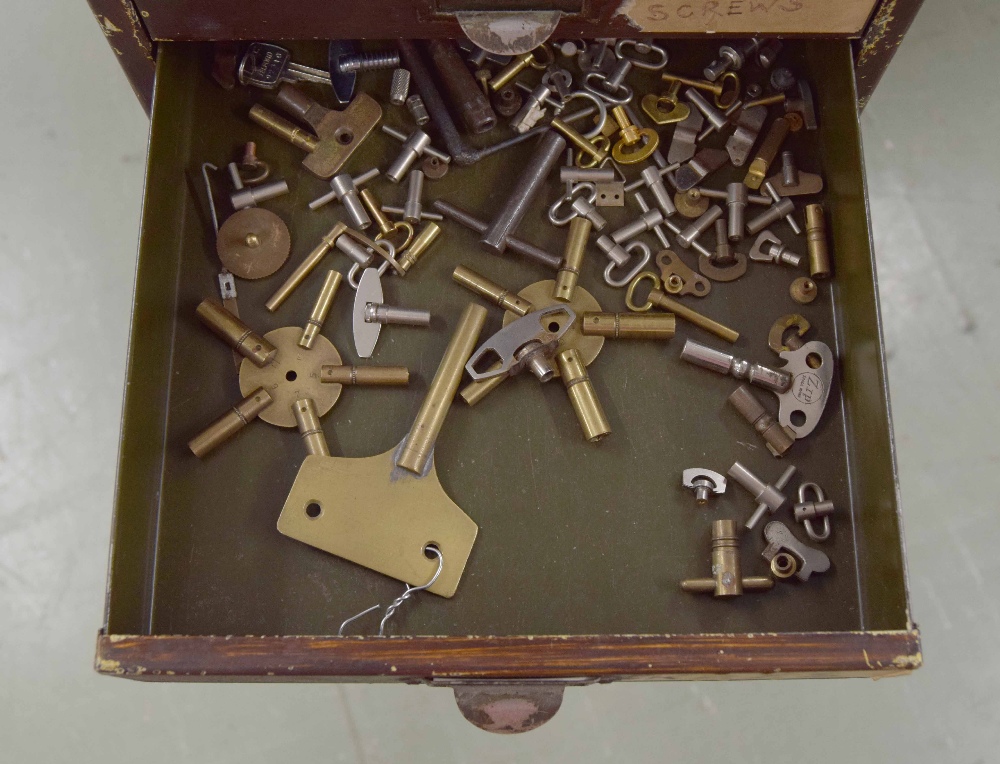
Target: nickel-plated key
(265, 65)
(779, 538)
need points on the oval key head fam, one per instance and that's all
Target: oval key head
(366, 332)
(801, 406)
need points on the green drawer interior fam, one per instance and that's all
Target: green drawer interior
(574, 538)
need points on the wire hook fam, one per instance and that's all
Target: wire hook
(410, 590)
(390, 611)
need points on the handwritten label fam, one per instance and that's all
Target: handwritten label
(847, 17)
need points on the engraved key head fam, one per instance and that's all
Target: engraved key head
(264, 65)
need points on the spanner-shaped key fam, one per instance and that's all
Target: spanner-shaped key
(780, 538)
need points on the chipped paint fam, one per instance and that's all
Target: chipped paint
(877, 31)
(138, 31)
(909, 662)
(109, 666)
(626, 9)
(107, 25)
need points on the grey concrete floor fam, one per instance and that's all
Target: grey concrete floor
(70, 187)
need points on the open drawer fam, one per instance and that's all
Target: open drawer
(574, 576)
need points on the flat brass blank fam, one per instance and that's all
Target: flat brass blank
(380, 516)
(253, 243)
(293, 375)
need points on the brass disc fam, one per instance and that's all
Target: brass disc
(293, 374)
(253, 243)
(690, 204)
(539, 294)
(803, 290)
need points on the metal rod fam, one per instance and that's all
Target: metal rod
(419, 444)
(519, 246)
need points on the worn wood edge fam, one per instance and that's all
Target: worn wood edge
(122, 25)
(420, 659)
(874, 50)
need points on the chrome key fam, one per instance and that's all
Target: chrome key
(265, 65)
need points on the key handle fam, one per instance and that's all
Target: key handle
(380, 516)
(779, 538)
(263, 65)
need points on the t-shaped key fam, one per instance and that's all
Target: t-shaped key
(267, 66)
(415, 145)
(345, 190)
(338, 133)
(779, 538)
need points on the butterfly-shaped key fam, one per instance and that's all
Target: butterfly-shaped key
(267, 66)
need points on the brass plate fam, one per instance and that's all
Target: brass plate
(380, 516)
(341, 132)
(253, 243)
(539, 294)
(303, 366)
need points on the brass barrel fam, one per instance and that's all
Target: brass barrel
(765, 101)
(419, 245)
(819, 252)
(374, 207)
(235, 333)
(314, 324)
(711, 87)
(311, 430)
(639, 326)
(474, 392)
(569, 271)
(365, 375)
(660, 300)
(578, 140)
(230, 423)
(776, 437)
(420, 442)
(304, 268)
(493, 292)
(727, 579)
(281, 127)
(726, 558)
(582, 395)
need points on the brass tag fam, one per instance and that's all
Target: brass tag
(380, 516)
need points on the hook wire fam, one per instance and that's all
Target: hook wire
(208, 190)
(410, 590)
(340, 631)
(390, 611)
